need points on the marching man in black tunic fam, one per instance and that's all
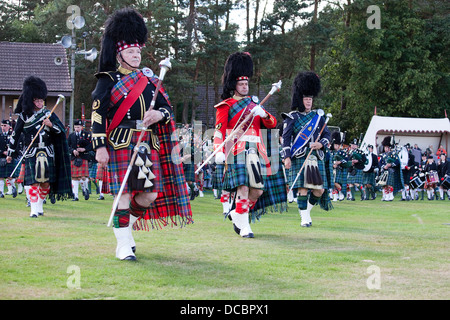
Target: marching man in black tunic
(123, 109)
(305, 141)
(47, 162)
(80, 146)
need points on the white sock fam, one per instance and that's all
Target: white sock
(75, 184)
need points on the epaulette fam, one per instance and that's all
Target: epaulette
(108, 73)
(289, 115)
(224, 102)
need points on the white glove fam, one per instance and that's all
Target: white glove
(259, 111)
(220, 157)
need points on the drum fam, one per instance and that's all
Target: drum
(446, 183)
(432, 177)
(416, 183)
(382, 181)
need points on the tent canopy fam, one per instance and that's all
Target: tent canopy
(421, 131)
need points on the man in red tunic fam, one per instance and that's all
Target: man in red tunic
(243, 168)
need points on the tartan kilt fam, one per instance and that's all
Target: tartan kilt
(369, 178)
(274, 196)
(189, 171)
(297, 164)
(22, 173)
(81, 171)
(357, 178)
(5, 171)
(102, 174)
(217, 177)
(30, 171)
(92, 170)
(120, 159)
(341, 177)
(395, 179)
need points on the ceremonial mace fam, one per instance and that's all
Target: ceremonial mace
(165, 65)
(329, 115)
(275, 87)
(60, 98)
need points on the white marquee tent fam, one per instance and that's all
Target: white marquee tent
(421, 131)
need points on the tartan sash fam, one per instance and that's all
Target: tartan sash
(126, 104)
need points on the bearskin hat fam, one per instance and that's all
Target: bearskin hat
(386, 142)
(335, 138)
(306, 84)
(124, 28)
(33, 88)
(239, 66)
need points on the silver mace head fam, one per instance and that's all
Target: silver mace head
(60, 98)
(165, 66)
(275, 87)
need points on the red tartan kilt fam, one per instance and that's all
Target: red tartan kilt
(21, 174)
(102, 174)
(81, 171)
(120, 159)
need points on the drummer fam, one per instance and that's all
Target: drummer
(430, 170)
(444, 176)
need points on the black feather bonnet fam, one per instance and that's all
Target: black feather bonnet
(306, 84)
(239, 66)
(124, 28)
(33, 88)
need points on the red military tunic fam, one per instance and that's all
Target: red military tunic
(229, 113)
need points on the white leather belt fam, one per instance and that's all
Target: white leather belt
(248, 138)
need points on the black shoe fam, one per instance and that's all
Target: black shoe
(75, 199)
(130, 258)
(86, 194)
(14, 192)
(53, 199)
(101, 197)
(2, 195)
(236, 229)
(40, 213)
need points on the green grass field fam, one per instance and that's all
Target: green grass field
(361, 250)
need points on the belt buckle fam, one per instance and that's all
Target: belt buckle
(140, 125)
(41, 145)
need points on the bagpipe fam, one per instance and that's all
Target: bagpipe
(359, 155)
(343, 157)
(390, 157)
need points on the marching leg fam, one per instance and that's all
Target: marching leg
(33, 193)
(240, 218)
(122, 233)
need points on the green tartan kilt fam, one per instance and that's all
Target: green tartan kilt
(217, 177)
(30, 171)
(189, 171)
(369, 178)
(341, 177)
(274, 197)
(6, 170)
(357, 178)
(395, 179)
(297, 163)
